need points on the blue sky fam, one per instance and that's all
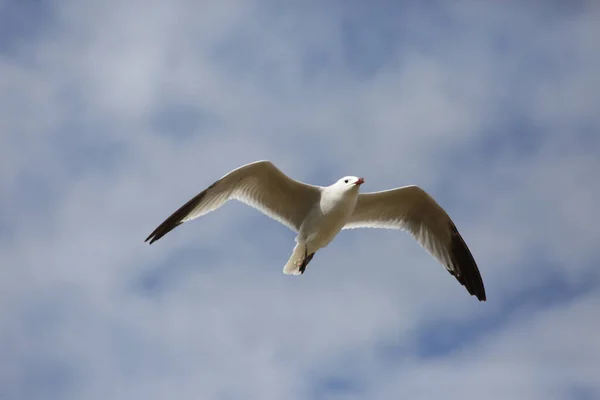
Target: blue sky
(113, 114)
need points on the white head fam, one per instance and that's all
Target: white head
(349, 183)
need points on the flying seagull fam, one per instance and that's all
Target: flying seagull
(317, 214)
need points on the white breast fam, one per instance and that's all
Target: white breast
(327, 220)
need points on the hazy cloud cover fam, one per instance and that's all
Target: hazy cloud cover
(112, 114)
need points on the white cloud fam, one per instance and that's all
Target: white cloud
(539, 354)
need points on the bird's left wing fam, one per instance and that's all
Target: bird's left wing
(259, 184)
(410, 208)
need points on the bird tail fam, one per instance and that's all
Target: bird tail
(298, 260)
(293, 265)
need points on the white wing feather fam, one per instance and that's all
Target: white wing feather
(410, 208)
(260, 185)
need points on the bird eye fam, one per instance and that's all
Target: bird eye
(346, 181)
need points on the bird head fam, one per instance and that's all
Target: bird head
(348, 183)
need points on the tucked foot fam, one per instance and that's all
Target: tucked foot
(304, 263)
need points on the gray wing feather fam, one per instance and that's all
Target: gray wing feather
(410, 208)
(260, 185)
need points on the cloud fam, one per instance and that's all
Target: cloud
(509, 362)
(113, 115)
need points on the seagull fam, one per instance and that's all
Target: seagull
(317, 214)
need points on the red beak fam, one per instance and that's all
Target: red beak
(360, 181)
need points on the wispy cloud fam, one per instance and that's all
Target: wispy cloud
(112, 115)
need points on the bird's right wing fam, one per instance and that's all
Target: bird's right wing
(410, 208)
(259, 184)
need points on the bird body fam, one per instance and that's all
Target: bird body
(324, 221)
(317, 214)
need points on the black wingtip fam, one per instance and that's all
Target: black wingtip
(177, 217)
(162, 230)
(466, 271)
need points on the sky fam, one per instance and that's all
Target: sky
(113, 114)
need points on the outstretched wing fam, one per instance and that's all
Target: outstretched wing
(410, 208)
(259, 184)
